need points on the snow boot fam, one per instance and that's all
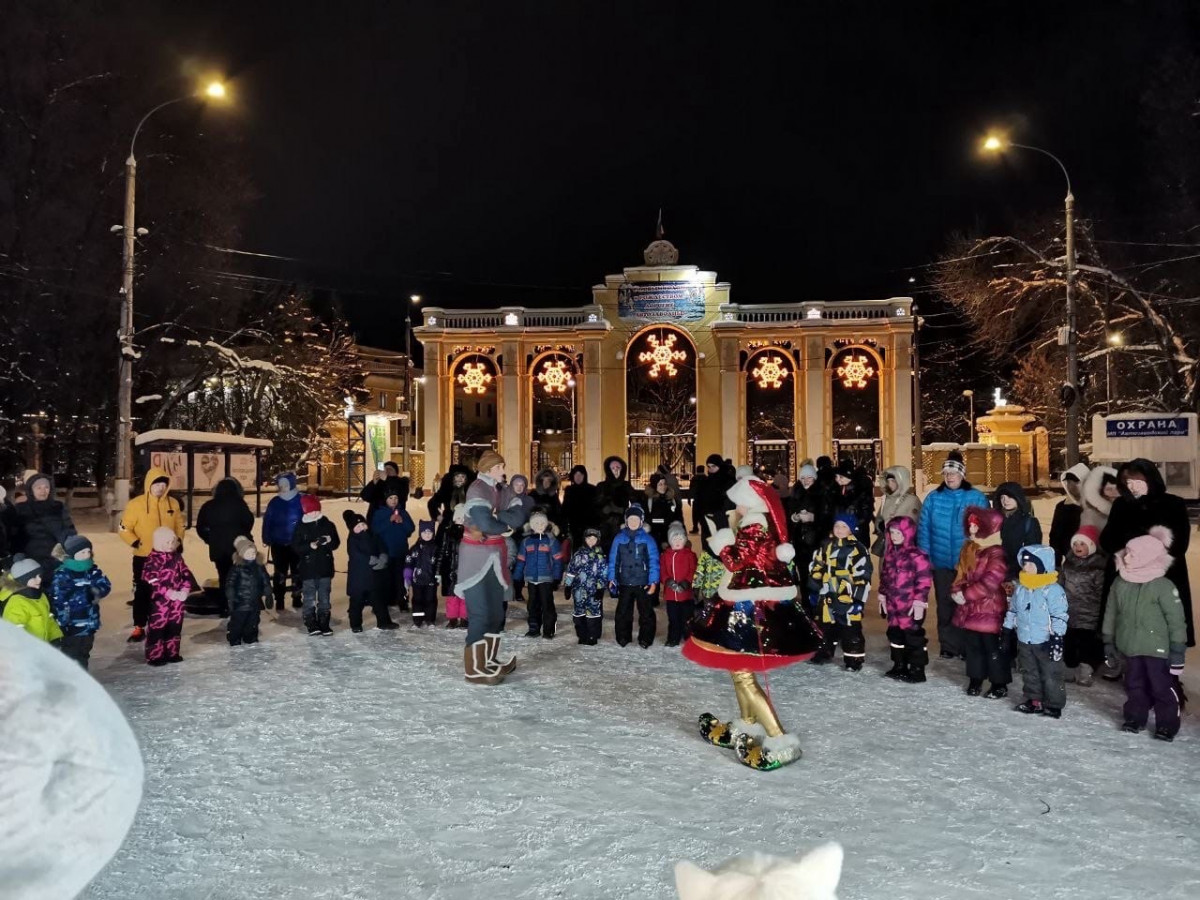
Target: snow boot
(853, 663)
(323, 624)
(475, 665)
(913, 675)
(974, 687)
(1029, 707)
(1084, 676)
(1162, 734)
(767, 753)
(822, 656)
(533, 632)
(997, 692)
(581, 628)
(595, 628)
(1051, 712)
(386, 625)
(503, 666)
(899, 666)
(1131, 727)
(310, 622)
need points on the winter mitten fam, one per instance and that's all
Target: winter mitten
(882, 607)
(1055, 645)
(1110, 656)
(918, 610)
(1177, 669)
(958, 598)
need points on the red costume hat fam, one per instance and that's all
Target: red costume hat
(755, 496)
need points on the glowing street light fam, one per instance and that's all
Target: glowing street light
(127, 352)
(997, 142)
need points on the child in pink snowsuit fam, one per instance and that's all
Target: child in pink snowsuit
(170, 583)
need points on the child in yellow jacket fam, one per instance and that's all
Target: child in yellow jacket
(24, 604)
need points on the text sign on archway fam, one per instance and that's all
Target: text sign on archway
(672, 301)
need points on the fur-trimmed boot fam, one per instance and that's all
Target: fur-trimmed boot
(475, 665)
(767, 753)
(504, 667)
(723, 734)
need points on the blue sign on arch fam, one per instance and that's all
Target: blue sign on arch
(661, 301)
(1147, 426)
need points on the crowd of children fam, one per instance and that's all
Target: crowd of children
(1062, 616)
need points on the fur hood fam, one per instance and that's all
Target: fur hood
(1093, 489)
(574, 469)
(608, 475)
(1073, 488)
(989, 521)
(542, 476)
(1014, 490)
(903, 480)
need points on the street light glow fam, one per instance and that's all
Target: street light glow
(215, 90)
(993, 143)
(1115, 339)
(415, 298)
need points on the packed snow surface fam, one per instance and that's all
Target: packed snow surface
(363, 766)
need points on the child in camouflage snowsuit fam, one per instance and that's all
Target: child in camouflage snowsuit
(585, 578)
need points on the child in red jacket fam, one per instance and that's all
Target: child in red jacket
(678, 570)
(982, 603)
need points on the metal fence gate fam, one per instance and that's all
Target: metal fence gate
(774, 455)
(468, 454)
(648, 451)
(867, 453)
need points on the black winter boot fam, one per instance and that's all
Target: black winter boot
(323, 624)
(581, 629)
(913, 675)
(998, 692)
(310, 622)
(974, 687)
(595, 626)
(899, 666)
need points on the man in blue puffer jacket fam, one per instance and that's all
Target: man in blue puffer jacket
(278, 526)
(940, 534)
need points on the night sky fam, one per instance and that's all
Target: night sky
(515, 152)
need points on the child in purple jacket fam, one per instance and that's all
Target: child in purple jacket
(904, 583)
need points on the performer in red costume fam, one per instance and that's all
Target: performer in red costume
(755, 622)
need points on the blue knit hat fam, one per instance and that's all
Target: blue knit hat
(848, 519)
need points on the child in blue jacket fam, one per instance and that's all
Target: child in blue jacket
(586, 576)
(77, 586)
(394, 526)
(539, 565)
(1038, 610)
(633, 575)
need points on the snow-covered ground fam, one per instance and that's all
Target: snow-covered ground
(362, 766)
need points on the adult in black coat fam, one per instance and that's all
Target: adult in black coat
(544, 492)
(710, 497)
(852, 492)
(451, 492)
(221, 521)
(613, 496)
(40, 523)
(579, 505)
(808, 518)
(1143, 504)
(373, 490)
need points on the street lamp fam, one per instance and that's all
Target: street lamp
(1114, 340)
(970, 395)
(409, 430)
(125, 330)
(998, 143)
(571, 385)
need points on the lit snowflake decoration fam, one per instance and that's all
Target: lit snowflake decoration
(474, 378)
(855, 371)
(770, 372)
(554, 376)
(663, 357)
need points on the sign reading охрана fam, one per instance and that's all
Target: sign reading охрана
(678, 301)
(1147, 426)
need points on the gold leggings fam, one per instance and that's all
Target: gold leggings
(753, 704)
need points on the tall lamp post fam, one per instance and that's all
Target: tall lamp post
(125, 329)
(970, 395)
(409, 429)
(997, 144)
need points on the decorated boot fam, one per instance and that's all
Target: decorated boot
(767, 753)
(475, 665)
(723, 734)
(503, 666)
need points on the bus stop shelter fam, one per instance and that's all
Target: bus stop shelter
(197, 460)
